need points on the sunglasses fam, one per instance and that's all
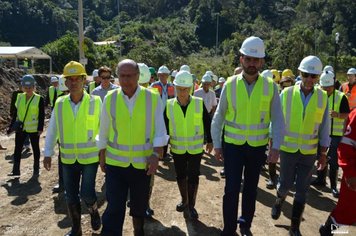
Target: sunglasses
(107, 77)
(306, 75)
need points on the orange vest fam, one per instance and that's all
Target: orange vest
(351, 95)
(170, 89)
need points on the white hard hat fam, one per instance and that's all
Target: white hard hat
(163, 70)
(174, 73)
(222, 80)
(215, 78)
(183, 79)
(328, 68)
(267, 74)
(61, 84)
(351, 71)
(54, 79)
(311, 64)
(209, 72)
(95, 73)
(253, 47)
(145, 74)
(327, 79)
(206, 78)
(185, 68)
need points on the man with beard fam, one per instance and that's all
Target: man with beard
(248, 103)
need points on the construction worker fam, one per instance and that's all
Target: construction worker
(187, 120)
(53, 92)
(96, 81)
(185, 68)
(349, 88)
(337, 82)
(207, 95)
(153, 75)
(25, 65)
(306, 112)
(131, 139)
(75, 122)
(245, 119)
(345, 211)
(105, 85)
(29, 112)
(276, 76)
(288, 73)
(339, 111)
(221, 84)
(173, 75)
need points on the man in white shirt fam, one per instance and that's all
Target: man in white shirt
(207, 95)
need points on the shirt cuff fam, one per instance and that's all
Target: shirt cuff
(160, 141)
(101, 143)
(47, 153)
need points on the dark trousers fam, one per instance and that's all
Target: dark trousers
(238, 160)
(20, 138)
(187, 166)
(119, 181)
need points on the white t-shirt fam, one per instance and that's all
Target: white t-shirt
(209, 98)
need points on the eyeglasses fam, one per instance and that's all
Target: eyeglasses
(106, 77)
(306, 75)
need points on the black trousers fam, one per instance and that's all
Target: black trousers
(19, 142)
(187, 166)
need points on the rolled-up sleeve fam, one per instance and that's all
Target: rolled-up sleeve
(218, 120)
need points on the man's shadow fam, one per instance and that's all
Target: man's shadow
(156, 228)
(196, 228)
(22, 190)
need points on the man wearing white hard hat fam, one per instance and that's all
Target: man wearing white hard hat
(187, 121)
(337, 83)
(184, 68)
(165, 88)
(96, 81)
(207, 95)
(339, 111)
(349, 88)
(248, 104)
(221, 85)
(306, 113)
(53, 92)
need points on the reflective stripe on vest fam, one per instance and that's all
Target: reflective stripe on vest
(348, 141)
(130, 135)
(186, 131)
(338, 124)
(302, 132)
(248, 117)
(77, 134)
(31, 122)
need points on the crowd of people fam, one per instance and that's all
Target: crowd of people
(125, 127)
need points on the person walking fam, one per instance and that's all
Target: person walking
(207, 94)
(345, 211)
(339, 111)
(96, 81)
(248, 103)
(187, 120)
(53, 92)
(306, 113)
(131, 139)
(105, 85)
(75, 122)
(29, 117)
(349, 88)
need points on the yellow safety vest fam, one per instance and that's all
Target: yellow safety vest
(51, 94)
(247, 117)
(31, 122)
(130, 136)
(186, 132)
(338, 124)
(77, 133)
(91, 86)
(302, 132)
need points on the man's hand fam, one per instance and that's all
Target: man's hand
(152, 164)
(47, 163)
(209, 147)
(321, 164)
(102, 153)
(273, 155)
(351, 183)
(218, 154)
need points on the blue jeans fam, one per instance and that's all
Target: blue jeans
(295, 167)
(119, 181)
(238, 160)
(72, 174)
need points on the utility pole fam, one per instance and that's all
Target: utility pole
(82, 58)
(118, 24)
(337, 36)
(217, 34)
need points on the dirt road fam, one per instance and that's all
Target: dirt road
(28, 206)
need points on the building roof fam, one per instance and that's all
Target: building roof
(22, 52)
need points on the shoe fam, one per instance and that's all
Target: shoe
(57, 188)
(222, 173)
(245, 231)
(277, 207)
(335, 193)
(95, 220)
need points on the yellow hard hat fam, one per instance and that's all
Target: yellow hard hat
(73, 68)
(276, 76)
(287, 73)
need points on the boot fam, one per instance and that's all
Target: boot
(74, 212)
(94, 216)
(183, 189)
(320, 180)
(272, 183)
(325, 229)
(138, 226)
(297, 213)
(333, 173)
(192, 196)
(277, 207)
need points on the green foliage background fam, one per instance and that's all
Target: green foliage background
(184, 31)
